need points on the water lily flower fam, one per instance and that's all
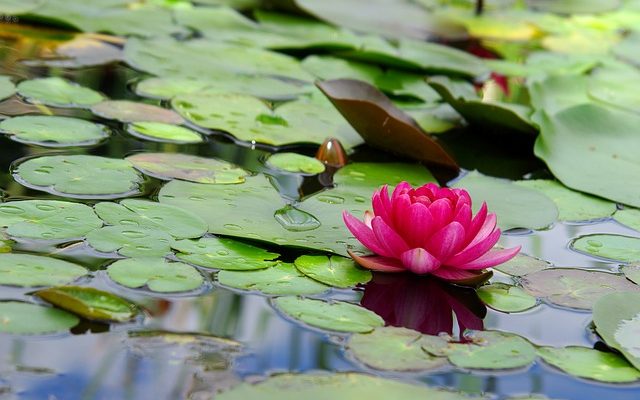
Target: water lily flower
(428, 230)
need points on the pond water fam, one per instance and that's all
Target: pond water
(139, 360)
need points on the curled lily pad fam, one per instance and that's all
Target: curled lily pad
(130, 111)
(574, 288)
(610, 247)
(134, 213)
(53, 131)
(588, 363)
(629, 217)
(58, 92)
(28, 270)
(523, 264)
(7, 88)
(280, 279)
(157, 274)
(335, 316)
(169, 166)
(293, 162)
(632, 272)
(225, 254)
(334, 271)
(89, 303)
(393, 349)
(80, 176)
(47, 219)
(506, 298)
(617, 320)
(161, 132)
(31, 319)
(130, 241)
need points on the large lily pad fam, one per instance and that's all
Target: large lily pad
(574, 288)
(293, 162)
(334, 316)
(523, 264)
(131, 241)
(58, 92)
(506, 298)
(588, 363)
(328, 67)
(90, 303)
(157, 274)
(47, 219)
(334, 271)
(7, 88)
(280, 279)
(31, 319)
(80, 176)
(169, 166)
(629, 217)
(393, 349)
(617, 320)
(161, 132)
(130, 111)
(53, 131)
(225, 254)
(610, 247)
(28, 270)
(632, 272)
(515, 206)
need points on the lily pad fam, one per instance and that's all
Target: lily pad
(393, 349)
(588, 363)
(47, 219)
(574, 6)
(617, 320)
(632, 272)
(80, 176)
(13, 7)
(161, 132)
(572, 206)
(574, 288)
(523, 264)
(333, 271)
(515, 206)
(7, 88)
(157, 274)
(334, 316)
(327, 68)
(89, 303)
(133, 213)
(53, 131)
(610, 247)
(186, 167)
(130, 241)
(506, 298)
(31, 319)
(28, 270)
(407, 85)
(81, 51)
(280, 279)
(629, 217)
(130, 111)
(293, 162)
(58, 92)
(225, 254)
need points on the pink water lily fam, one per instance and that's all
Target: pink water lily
(428, 230)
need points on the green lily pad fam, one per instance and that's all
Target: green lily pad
(293, 162)
(130, 111)
(556, 93)
(133, 213)
(186, 167)
(617, 320)
(131, 241)
(27, 270)
(80, 176)
(393, 349)
(515, 206)
(610, 247)
(90, 303)
(53, 131)
(31, 319)
(572, 206)
(574, 6)
(405, 84)
(574, 288)
(334, 316)
(632, 272)
(333, 271)
(616, 85)
(58, 92)
(161, 132)
(7, 88)
(47, 219)
(225, 254)
(157, 274)
(506, 298)
(13, 7)
(588, 363)
(280, 279)
(523, 264)
(629, 217)
(327, 68)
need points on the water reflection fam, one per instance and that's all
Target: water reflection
(425, 304)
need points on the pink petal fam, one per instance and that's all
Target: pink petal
(388, 238)
(364, 234)
(476, 223)
(402, 189)
(377, 263)
(368, 217)
(446, 241)
(493, 257)
(463, 215)
(419, 261)
(487, 229)
(400, 210)
(442, 212)
(453, 274)
(418, 226)
(472, 252)
(381, 203)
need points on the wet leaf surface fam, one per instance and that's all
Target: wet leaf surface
(130, 241)
(617, 320)
(506, 298)
(223, 253)
(156, 274)
(610, 247)
(280, 279)
(53, 131)
(293, 162)
(58, 92)
(333, 271)
(89, 303)
(130, 111)
(31, 319)
(161, 132)
(28, 270)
